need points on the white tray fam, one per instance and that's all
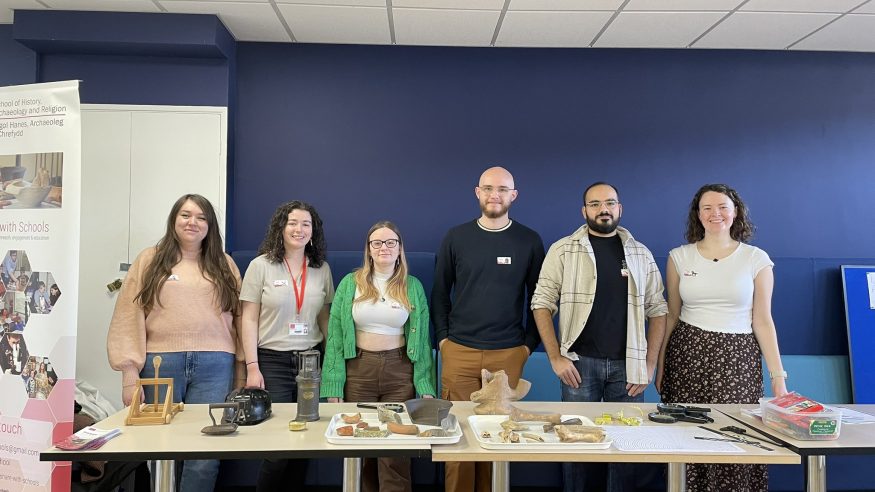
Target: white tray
(492, 424)
(391, 439)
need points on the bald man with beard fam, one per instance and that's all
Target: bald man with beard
(486, 271)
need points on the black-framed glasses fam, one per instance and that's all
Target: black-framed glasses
(390, 243)
(501, 190)
(597, 205)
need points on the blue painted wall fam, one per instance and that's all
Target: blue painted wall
(369, 132)
(18, 62)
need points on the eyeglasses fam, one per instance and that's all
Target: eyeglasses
(501, 190)
(390, 243)
(596, 205)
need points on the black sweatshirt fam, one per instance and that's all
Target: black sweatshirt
(491, 275)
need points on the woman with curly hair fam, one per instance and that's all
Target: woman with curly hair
(286, 294)
(179, 300)
(719, 324)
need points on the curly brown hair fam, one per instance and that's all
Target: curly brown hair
(213, 261)
(272, 246)
(742, 228)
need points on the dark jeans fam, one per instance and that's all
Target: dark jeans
(279, 370)
(601, 380)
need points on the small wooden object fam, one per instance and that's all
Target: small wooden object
(153, 413)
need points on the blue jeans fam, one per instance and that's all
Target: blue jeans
(601, 380)
(198, 377)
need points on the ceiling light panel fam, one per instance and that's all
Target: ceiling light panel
(849, 33)
(450, 4)
(346, 3)
(656, 29)
(869, 8)
(565, 5)
(104, 5)
(337, 25)
(436, 27)
(688, 5)
(837, 6)
(246, 21)
(762, 30)
(551, 29)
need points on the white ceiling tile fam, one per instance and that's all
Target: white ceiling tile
(551, 29)
(869, 8)
(691, 5)
(246, 21)
(762, 30)
(450, 4)
(564, 5)
(104, 5)
(656, 29)
(8, 6)
(347, 3)
(839, 6)
(850, 33)
(444, 27)
(344, 25)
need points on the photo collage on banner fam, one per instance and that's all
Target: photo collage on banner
(40, 172)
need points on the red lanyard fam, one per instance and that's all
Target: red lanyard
(299, 297)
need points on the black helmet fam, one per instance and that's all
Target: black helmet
(253, 403)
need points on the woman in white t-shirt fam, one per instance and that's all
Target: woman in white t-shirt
(719, 324)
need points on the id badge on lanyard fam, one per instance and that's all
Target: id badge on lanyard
(297, 327)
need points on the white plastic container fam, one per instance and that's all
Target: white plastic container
(804, 426)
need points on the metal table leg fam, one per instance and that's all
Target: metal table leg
(677, 477)
(352, 471)
(164, 476)
(500, 476)
(815, 474)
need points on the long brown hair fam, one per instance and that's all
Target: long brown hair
(396, 286)
(272, 246)
(742, 228)
(212, 260)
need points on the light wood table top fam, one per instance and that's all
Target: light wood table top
(182, 439)
(468, 449)
(853, 439)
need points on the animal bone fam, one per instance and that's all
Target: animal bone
(518, 415)
(514, 426)
(580, 433)
(495, 394)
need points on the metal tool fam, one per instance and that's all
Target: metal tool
(309, 377)
(737, 439)
(225, 427)
(739, 430)
(395, 407)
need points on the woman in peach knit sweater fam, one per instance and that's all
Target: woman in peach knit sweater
(179, 301)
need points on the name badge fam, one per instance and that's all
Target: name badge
(173, 277)
(395, 305)
(503, 260)
(280, 283)
(690, 273)
(299, 329)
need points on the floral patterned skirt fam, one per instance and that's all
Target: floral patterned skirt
(711, 367)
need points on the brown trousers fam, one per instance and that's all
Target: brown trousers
(385, 376)
(460, 376)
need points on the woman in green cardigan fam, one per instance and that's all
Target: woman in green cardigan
(379, 349)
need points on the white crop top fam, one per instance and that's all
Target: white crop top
(718, 295)
(386, 316)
